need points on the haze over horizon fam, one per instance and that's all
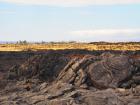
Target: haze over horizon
(71, 20)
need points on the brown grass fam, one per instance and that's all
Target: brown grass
(59, 46)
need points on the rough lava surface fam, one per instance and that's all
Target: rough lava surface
(70, 78)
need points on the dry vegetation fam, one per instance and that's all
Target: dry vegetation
(133, 46)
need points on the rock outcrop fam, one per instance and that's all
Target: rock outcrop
(45, 67)
(74, 79)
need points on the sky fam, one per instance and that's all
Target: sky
(70, 20)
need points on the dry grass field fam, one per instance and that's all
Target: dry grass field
(60, 46)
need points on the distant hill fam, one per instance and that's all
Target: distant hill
(5, 42)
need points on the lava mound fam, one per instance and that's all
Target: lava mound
(54, 78)
(111, 72)
(45, 67)
(104, 71)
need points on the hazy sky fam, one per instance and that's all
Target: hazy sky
(67, 20)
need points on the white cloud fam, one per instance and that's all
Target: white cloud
(6, 12)
(107, 34)
(73, 2)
